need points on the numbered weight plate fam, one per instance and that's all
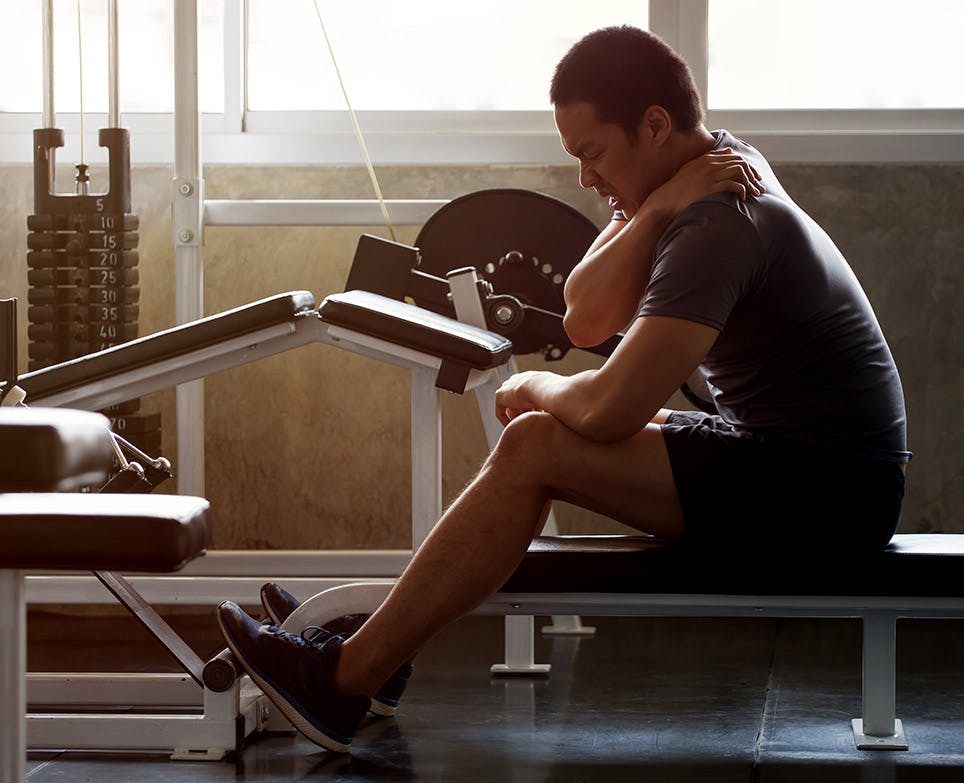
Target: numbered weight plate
(83, 222)
(81, 241)
(107, 259)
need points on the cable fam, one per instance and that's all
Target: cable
(354, 123)
(80, 70)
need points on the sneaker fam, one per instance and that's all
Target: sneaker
(295, 673)
(279, 604)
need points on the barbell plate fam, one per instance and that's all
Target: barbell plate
(480, 229)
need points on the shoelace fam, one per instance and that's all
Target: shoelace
(312, 636)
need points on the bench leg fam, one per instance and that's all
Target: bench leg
(13, 677)
(520, 650)
(879, 729)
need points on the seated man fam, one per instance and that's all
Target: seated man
(715, 267)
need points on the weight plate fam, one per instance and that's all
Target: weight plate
(524, 243)
(137, 424)
(122, 408)
(83, 222)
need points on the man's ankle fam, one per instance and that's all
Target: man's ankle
(347, 675)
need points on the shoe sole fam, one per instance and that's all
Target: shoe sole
(294, 716)
(379, 708)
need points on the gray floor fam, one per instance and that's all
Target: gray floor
(644, 700)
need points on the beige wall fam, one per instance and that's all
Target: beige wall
(309, 449)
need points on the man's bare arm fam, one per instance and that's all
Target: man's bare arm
(603, 291)
(620, 398)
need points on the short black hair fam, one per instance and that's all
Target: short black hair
(622, 71)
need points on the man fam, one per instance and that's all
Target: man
(712, 266)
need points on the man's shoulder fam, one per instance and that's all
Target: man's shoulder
(718, 218)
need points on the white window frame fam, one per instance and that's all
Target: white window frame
(509, 137)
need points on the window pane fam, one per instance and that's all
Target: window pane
(828, 54)
(146, 53)
(423, 54)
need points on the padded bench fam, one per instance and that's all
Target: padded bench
(57, 384)
(78, 531)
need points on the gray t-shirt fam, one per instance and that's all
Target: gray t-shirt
(800, 353)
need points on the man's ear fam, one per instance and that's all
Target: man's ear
(656, 125)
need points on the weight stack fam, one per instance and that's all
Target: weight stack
(83, 293)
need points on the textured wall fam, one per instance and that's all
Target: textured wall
(310, 448)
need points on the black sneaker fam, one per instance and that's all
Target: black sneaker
(295, 673)
(279, 604)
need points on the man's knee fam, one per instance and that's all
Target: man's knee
(527, 440)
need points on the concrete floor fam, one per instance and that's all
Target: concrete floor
(643, 700)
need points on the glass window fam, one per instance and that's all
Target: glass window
(828, 54)
(145, 53)
(422, 55)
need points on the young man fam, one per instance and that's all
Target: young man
(712, 266)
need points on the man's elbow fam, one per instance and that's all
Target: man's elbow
(585, 332)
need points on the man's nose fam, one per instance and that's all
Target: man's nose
(587, 177)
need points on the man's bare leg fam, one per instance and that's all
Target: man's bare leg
(483, 536)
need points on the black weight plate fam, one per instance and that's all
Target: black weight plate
(122, 408)
(480, 228)
(101, 296)
(80, 241)
(57, 331)
(135, 425)
(83, 222)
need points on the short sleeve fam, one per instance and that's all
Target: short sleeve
(708, 259)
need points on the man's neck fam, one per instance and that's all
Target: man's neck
(692, 145)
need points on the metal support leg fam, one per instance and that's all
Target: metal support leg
(426, 455)
(879, 729)
(13, 677)
(519, 652)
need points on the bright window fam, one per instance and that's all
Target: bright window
(145, 54)
(830, 54)
(417, 55)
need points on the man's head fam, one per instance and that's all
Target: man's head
(621, 72)
(623, 92)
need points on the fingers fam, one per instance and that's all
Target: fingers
(730, 165)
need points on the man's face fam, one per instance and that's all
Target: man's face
(623, 171)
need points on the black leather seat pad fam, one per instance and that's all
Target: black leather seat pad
(416, 328)
(912, 565)
(52, 449)
(91, 532)
(174, 342)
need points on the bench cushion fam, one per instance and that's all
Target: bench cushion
(91, 532)
(167, 344)
(416, 328)
(52, 450)
(912, 565)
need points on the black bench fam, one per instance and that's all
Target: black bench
(917, 576)
(78, 531)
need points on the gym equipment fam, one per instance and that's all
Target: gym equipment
(50, 450)
(436, 350)
(82, 252)
(523, 244)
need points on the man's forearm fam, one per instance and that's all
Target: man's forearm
(603, 291)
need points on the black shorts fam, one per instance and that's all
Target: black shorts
(750, 490)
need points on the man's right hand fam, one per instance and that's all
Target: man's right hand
(714, 172)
